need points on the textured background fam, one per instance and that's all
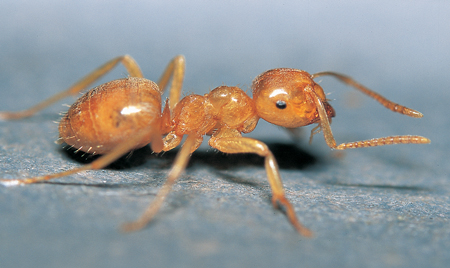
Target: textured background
(378, 207)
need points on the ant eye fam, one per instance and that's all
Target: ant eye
(281, 104)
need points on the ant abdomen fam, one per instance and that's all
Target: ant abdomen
(111, 113)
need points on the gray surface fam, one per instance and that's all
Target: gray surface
(379, 207)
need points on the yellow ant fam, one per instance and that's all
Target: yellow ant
(126, 114)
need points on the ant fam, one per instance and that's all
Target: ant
(126, 114)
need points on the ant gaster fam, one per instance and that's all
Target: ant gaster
(126, 114)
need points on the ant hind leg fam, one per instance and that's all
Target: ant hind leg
(99, 163)
(129, 63)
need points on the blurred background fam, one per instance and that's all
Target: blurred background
(400, 49)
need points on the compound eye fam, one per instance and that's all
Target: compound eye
(281, 104)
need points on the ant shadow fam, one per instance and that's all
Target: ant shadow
(288, 155)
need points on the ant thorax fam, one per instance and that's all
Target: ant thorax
(224, 106)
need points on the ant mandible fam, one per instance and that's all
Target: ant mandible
(123, 115)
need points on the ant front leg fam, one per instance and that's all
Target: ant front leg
(331, 142)
(230, 141)
(129, 63)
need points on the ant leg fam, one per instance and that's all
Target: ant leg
(129, 63)
(230, 141)
(174, 69)
(178, 167)
(331, 142)
(385, 102)
(314, 131)
(101, 162)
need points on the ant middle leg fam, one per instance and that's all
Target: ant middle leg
(175, 69)
(178, 167)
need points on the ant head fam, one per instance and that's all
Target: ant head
(284, 97)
